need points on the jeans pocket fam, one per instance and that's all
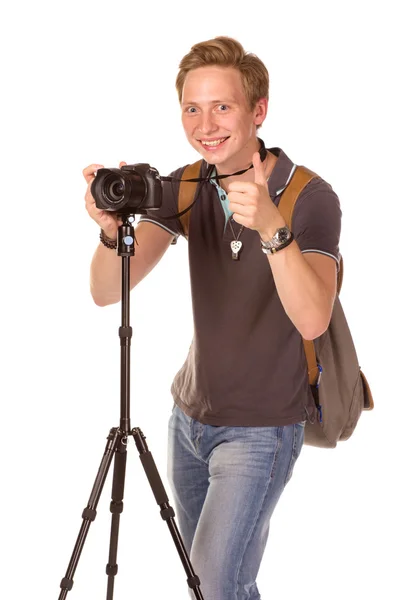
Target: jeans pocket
(298, 438)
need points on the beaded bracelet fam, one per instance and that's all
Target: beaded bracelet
(107, 242)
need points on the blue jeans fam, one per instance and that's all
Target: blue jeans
(226, 482)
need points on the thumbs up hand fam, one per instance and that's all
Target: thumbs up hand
(252, 205)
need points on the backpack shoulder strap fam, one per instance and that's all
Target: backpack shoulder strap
(302, 176)
(187, 191)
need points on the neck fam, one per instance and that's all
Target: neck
(238, 164)
(241, 160)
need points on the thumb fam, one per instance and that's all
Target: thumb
(259, 173)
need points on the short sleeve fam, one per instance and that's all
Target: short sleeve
(169, 207)
(316, 222)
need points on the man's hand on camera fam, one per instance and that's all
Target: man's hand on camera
(107, 221)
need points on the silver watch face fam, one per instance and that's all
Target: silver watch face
(282, 235)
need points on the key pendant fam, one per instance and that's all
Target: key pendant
(236, 247)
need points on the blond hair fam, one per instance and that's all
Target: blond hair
(227, 52)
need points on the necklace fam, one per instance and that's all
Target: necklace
(236, 246)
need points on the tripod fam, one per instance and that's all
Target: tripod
(116, 447)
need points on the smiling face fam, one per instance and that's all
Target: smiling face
(217, 119)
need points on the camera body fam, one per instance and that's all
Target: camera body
(131, 189)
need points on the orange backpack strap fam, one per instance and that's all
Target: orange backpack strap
(187, 191)
(302, 176)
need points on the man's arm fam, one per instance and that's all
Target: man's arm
(305, 271)
(105, 269)
(306, 285)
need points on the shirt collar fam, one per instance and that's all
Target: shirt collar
(212, 177)
(281, 174)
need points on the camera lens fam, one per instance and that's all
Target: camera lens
(114, 188)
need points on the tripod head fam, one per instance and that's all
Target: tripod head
(126, 235)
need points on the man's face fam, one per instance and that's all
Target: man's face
(216, 117)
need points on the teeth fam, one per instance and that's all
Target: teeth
(215, 143)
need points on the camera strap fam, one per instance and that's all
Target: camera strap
(202, 180)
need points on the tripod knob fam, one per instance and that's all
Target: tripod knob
(128, 240)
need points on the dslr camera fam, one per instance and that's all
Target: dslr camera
(131, 189)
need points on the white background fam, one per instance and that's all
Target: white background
(95, 83)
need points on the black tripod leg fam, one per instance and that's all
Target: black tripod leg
(167, 512)
(116, 508)
(89, 514)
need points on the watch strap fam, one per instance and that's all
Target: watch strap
(274, 241)
(275, 249)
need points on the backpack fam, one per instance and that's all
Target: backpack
(339, 388)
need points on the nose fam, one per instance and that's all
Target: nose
(207, 124)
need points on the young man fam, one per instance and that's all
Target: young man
(242, 396)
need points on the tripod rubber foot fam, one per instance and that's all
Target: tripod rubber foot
(66, 584)
(167, 513)
(116, 507)
(111, 570)
(89, 514)
(193, 582)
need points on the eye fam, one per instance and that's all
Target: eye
(191, 109)
(223, 107)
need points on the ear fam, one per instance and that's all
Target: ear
(260, 111)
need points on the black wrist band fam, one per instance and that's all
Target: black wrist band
(107, 242)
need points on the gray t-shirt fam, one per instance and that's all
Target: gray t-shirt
(246, 365)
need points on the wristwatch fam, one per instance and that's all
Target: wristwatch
(281, 239)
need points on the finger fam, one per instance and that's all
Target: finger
(247, 197)
(88, 196)
(238, 198)
(239, 209)
(259, 173)
(122, 164)
(89, 172)
(242, 186)
(240, 219)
